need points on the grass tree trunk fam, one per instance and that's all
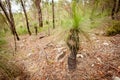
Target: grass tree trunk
(26, 17)
(38, 6)
(10, 18)
(53, 11)
(73, 44)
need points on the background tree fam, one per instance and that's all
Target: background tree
(10, 18)
(115, 9)
(38, 6)
(26, 17)
(118, 6)
(53, 14)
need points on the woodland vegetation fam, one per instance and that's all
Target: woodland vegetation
(59, 39)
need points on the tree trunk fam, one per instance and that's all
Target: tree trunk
(73, 44)
(6, 15)
(118, 6)
(38, 6)
(53, 11)
(113, 10)
(36, 30)
(47, 13)
(10, 19)
(24, 10)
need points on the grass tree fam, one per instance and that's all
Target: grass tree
(73, 36)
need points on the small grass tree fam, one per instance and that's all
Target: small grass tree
(73, 36)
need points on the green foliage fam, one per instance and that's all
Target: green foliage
(21, 30)
(3, 29)
(76, 15)
(114, 29)
(65, 23)
(2, 35)
(2, 41)
(3, 21)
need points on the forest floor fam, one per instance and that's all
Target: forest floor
(44, 58)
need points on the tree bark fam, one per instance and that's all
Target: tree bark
(10, 18)
(118, 7)
(113, 10)
(73, 44)
(38, 6)
(36, 30)
(26, 17)
(53, 11)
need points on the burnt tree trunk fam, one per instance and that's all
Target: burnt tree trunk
(26, 17)
(38, 6)
(10, 18)
(53, 12)
(73, 44)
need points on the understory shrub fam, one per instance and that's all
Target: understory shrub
(113, 29)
